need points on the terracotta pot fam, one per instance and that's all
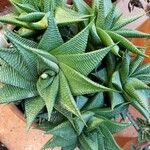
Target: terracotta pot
(13, 132)
(130, 133)
(14, 135)
(135, 143)
(145, 27)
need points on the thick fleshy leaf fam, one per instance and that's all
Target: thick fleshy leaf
(51, 35)
(116, 99)
(141, 109)
(80, 84)
(94, 123)
(101, 13)
(116, 80)
(25, 41)
(82, 7)
(115, 127)
(143, 77)
(66, 16)
(31, 17)
(32, 108)
(25, 7)
(70, 47)
(123, 22)
(57, 142)
(11, 93)
(29, 58)
(66, 98)
(135, 64)
(11, 19)
(14, 78)
(88, 60)
(138, 96)
(87, 143)
(130, 33)
(65, 131)
(143, 69)
(125, 43)
(109, 138)
(16, 61)
(110, 18)
(110, 113)
(137, 84)
(124, 68)
(95, 102)
(79, 124)
(64, 112)
(49, 94)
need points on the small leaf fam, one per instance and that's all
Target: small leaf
(107, 40)
(109, 140)
(12, 77)
(87, 143)
(130, 33)
(49, 94)
(125, 43)
(52, 35)
(70, 47)
(110, 113)
(79, 125)
(11, 94)
(66, 98)
(32, 108)
(86, 85)
(95, 102)
(31, 17)
(88, 60)
(123, 22)
(66, 16)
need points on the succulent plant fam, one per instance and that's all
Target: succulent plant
(95, 136)
(51, 72)
(129, 77)
(32, 15)
(70, 74)
(110, 26)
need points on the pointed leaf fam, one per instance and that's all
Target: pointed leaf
(130, 33)
(66, 98)
(126, 21)
(110, 113)
(12, 77)
(86, 85)
(65, 131)
(109, 140)
(75, 45)
(66, 16)
(49, 94)
(32, 108)
(135, 64)
(88, 60)
(16, 61)
(125, 43)
(11, 94)
(31, 17)
(51, 35)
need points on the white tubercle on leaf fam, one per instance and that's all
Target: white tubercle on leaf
(44, 76)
